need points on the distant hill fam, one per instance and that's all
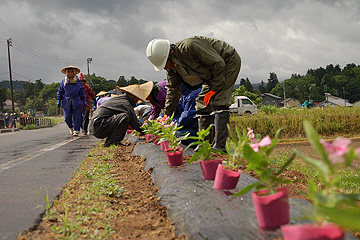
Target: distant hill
(255, 86)
(17, 85)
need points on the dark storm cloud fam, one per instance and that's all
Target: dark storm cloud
(285, 36)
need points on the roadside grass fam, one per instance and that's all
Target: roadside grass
(55, 120)
(30, 127)
(72, 217)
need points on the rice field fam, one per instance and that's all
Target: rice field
(328, 122)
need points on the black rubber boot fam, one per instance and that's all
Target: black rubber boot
(221, 132)
(204, 122)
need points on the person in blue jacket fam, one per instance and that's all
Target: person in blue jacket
(185, 114)
(71, 96)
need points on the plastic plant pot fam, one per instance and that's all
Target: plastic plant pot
(148, 137)
(174, 158)
(314, 232)
(156, 140)
(209, 167)
(226, 179)
(164, 145)
(272, 210)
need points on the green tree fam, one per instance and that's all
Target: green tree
(122, 82)
(242, 82)
(262, 87)
(51, 107)
(272, 81)
(99, 84)
(49, 91)
(248, 85)
(29, 89)
(19, 96)
(39, 85)
(35, 103)
(133, 80)
(241, 91)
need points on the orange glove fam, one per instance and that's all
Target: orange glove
(208, 96)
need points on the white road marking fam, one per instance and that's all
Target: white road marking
(30, 156)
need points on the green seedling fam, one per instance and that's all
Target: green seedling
(48, 203)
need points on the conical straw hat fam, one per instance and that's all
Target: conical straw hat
(77, 70)
(140, 91)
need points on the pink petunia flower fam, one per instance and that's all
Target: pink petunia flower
(337, 149)
(250, 133)
(169, 125)
(266, 141)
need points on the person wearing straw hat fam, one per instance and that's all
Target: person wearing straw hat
(71, 96)
(101, 94)
(199, 61)
(157, 99)
(112, 118)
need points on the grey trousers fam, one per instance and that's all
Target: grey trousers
(112, 128)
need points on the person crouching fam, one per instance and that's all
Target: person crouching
(112, 118)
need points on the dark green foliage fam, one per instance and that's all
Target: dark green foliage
(338, 82)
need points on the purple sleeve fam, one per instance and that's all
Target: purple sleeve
(155, 111)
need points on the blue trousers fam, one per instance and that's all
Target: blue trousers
(85, 120)
(73, 114)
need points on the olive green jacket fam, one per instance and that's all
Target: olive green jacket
(201, 57)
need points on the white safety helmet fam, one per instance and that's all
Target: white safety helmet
(157, 52)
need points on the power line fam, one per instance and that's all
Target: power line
(22, 75)
(41, 56)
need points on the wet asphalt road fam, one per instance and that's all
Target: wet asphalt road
(35, 160)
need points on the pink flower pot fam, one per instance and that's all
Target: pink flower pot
(226, 179)
(148, 137)
(272, 210)
(174, 158)
(156, 140)
(164, 145)
(314, 232)
(209, 168)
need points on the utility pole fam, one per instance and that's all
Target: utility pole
(344, 96)
(89, 60)
(9, 43)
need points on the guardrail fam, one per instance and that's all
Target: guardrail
(40, 122)
(23, 121)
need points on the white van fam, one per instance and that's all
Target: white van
(243, 105)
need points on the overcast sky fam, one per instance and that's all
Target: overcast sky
(281, 36)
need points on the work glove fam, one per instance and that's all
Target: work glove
(85, 104)
(208, 97)
(58, 103)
